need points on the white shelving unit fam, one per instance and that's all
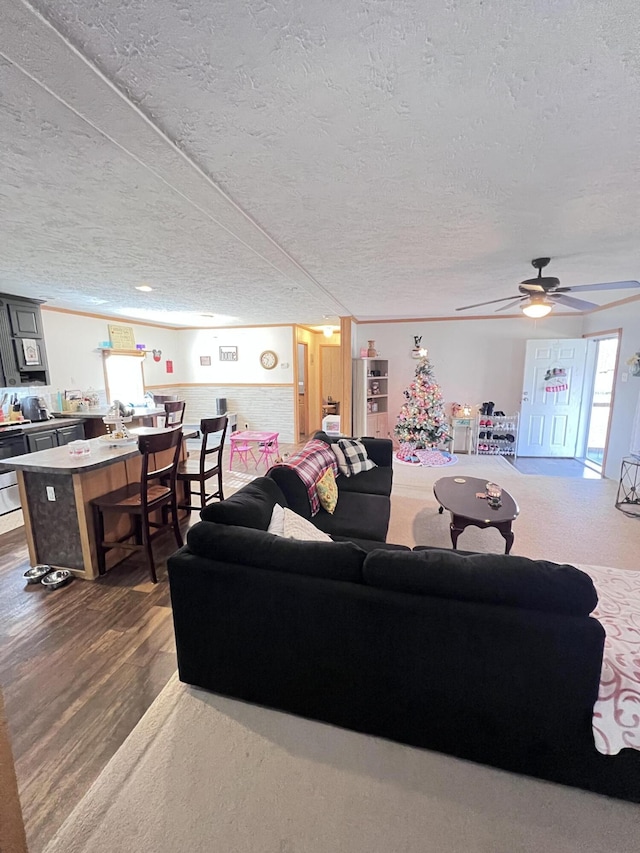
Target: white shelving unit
(371, 397)
(498, 428)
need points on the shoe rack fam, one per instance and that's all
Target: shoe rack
(496, 435)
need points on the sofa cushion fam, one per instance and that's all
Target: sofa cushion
(297, 527)
(371, 544)
(250, 547)
(380, 450)
(488, 578)
(377, 481)
(251, 506)
(362, 516)
(328, 491)
(355, 454)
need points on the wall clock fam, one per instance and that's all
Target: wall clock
(268, 359)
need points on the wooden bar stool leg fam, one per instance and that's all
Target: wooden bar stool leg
(98, 526)
(146, 541)
(175, 522)
(186, 493)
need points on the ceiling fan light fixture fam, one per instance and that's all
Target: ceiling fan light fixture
(536, 308)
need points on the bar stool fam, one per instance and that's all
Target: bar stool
(238, 448)
(174, 412)
(196, 470)
(155, 491)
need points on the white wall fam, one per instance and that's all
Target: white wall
(194, 343)
(627, 393)
(75, 362)
(474, 360)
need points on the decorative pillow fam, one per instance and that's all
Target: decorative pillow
(355, 455)
(342, 462)
(328, 491)
(297, 527)
(276, 525)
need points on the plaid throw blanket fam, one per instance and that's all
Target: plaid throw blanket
(310, 463)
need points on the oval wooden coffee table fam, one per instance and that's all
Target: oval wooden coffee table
(458, 495)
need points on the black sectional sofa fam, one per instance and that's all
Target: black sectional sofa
(486, 657)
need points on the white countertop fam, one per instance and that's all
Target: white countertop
(138, 412)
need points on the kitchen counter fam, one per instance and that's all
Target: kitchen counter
(58, 460)
(56, 490)
(21, 427)
(94, 426)
(138, 412)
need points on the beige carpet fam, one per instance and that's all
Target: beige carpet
(204, 774)
(564, 519)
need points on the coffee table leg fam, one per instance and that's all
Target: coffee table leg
(508, 537)
(456, 529)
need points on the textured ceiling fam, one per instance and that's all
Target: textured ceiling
(282, 161)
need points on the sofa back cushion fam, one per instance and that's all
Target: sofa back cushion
(250, 506)
(380, 450)
(484, 578)
(249, 547)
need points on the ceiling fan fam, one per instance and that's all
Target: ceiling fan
(540, 294)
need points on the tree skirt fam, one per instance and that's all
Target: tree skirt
(427, 458)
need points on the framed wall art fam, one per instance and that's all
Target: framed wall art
(228, 353)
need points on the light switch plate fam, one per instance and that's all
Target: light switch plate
(51, 493)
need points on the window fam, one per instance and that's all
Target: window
(124, 377)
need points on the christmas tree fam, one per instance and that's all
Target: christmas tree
(422, 421)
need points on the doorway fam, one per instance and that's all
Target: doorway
(598, 401)
(552, 395)
(303, 391)
(330, 379)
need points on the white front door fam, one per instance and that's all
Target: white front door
(551, 396)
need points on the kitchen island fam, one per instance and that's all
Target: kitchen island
(56, 490)
(93, 418)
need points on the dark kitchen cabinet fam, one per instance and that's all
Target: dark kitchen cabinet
(42, 440)
(23, 354)
(70, 433)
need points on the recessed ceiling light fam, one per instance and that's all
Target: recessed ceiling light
(144, 288)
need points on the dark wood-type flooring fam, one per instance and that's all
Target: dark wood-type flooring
(79, 666)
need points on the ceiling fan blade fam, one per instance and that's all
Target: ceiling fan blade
(571, 302)
(490, 302)
(605, 285)
(511, 304)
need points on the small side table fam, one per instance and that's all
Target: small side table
(462, 432)
(628, 497)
